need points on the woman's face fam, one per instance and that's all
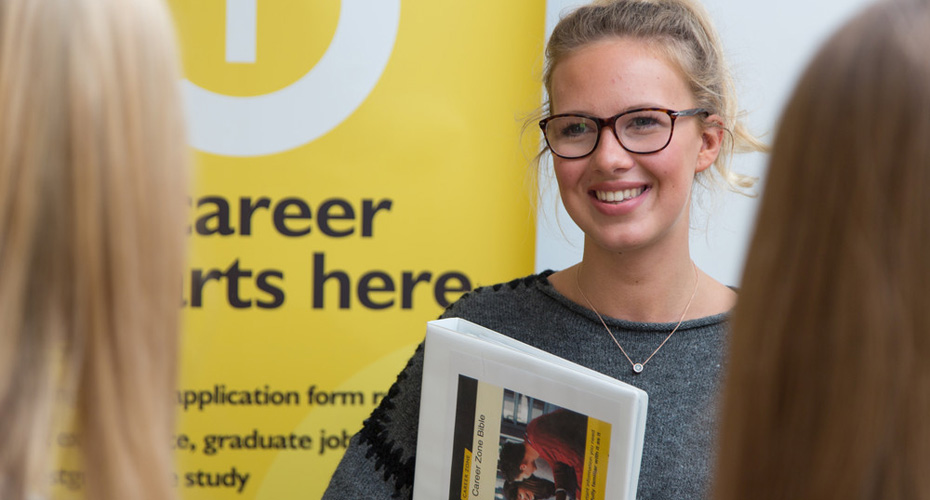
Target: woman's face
(605, 79)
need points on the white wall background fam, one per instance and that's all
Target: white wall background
(768, 44)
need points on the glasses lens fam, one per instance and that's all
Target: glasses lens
(571, 136)
(644, 131)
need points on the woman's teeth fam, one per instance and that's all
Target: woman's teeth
(619, 196)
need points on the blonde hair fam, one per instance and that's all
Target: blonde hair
(93, 162)
(828, 385)
(683, 31)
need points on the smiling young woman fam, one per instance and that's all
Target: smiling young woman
(632, 207)
(641, 107)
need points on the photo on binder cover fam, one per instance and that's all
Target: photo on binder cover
(521, 447)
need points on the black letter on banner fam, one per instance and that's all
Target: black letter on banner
(320, 277)
(368, 213)
(323, 216)
(221, 215)
(270, 289)
(232, 285)
(441, 289)
(198, 281)
(280, 216)
(246, 209)
(364, 289)
(408, 282)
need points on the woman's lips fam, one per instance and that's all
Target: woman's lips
(619, 196)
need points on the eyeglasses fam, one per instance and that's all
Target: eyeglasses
(639, 131)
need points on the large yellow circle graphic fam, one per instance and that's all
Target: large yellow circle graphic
(287, 38)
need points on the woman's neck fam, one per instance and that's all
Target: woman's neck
(644, 286)
(639, 286)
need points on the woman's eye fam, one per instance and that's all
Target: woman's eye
(575, 129)
(644, 123)
(641, 122)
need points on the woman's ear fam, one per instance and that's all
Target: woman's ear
(711, 140)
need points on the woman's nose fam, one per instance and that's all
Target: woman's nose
(609, 155)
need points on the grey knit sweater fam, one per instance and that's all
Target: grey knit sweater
(681, 381)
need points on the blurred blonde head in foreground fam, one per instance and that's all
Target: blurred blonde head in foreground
(828, 388)
(93, 172)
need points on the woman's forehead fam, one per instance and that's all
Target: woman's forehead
(614, 75)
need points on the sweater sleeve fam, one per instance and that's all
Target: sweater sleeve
(380, 460)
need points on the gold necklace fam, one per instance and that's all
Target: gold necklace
(638, 367)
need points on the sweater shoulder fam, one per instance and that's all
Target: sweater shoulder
(499, 298)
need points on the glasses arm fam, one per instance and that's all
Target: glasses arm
(689, 112)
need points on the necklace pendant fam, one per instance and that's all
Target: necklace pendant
(637, 368)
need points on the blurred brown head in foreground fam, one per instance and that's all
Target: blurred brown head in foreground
(93, 164)
(828, 388)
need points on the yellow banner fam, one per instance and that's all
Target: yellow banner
(359, 166)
